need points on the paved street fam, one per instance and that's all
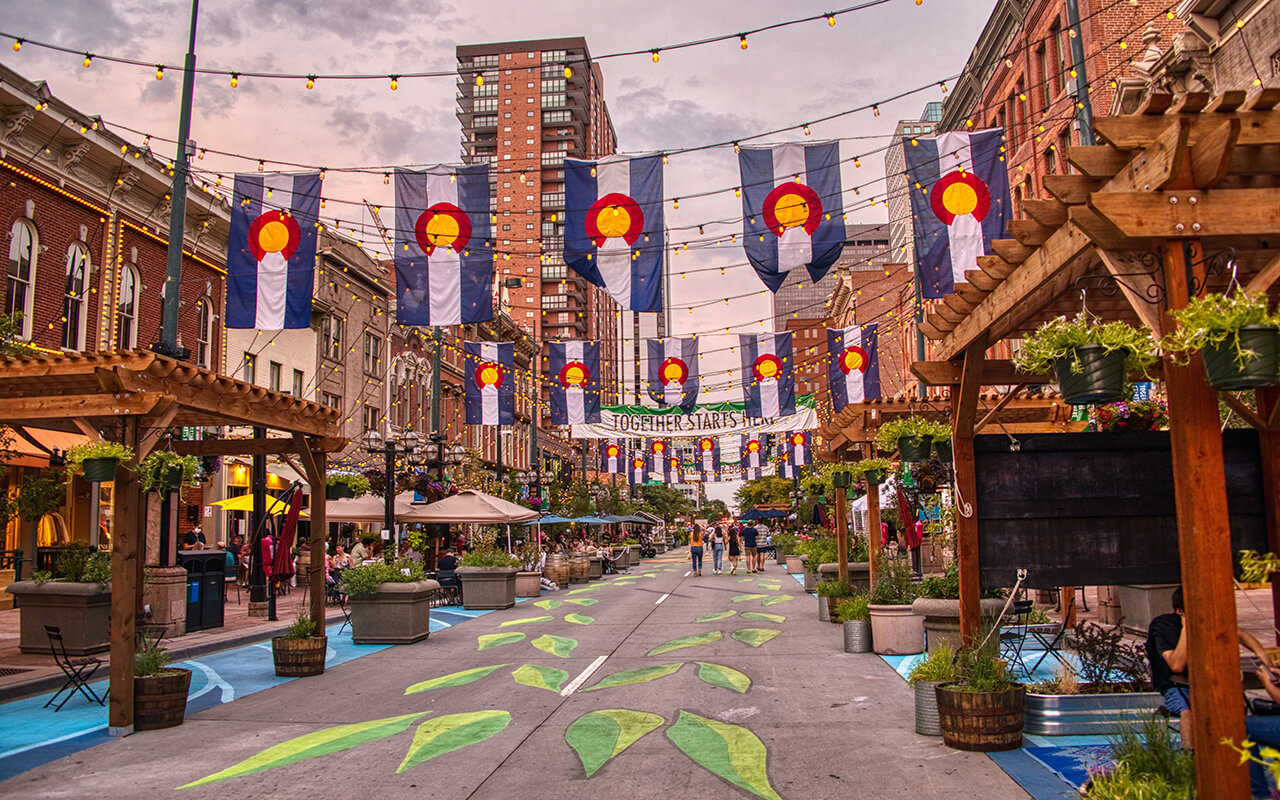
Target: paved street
(831, 724)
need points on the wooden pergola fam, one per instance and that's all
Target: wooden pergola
(135, 397)
(1181, 197)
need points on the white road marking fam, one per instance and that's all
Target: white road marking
(582, 677)
(660, 599)
(687, 574)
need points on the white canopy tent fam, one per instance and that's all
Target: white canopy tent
(470, 506)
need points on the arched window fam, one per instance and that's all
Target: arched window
(204, 332)
(19, 294)
(74, 307)
(127, 309)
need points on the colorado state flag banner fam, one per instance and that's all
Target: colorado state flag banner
(768, 382)
(271, 252)
(613, 458)
(575, 382)
(489, 370)
(614, 235)
(671, 469)
(792, 209)
(786, 469)
(673, 372)
(853, 365)
(443, 253)
(709, 458)
(754, 453)
(659, 451)
(637, 472)
(796, 447)
(959, 203)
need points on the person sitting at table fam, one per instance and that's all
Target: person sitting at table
(340, 560)
(447, 563)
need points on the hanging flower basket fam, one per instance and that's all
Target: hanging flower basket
(1247, 363)
(100, 470)
(942, 450)
(877, 476)
(338, 491)
(1093, 376)
(914, 448)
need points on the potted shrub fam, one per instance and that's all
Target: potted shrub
(159, 691)
(939, 606)
(299, 652)
(97, 461)
(937, 668)
(390, 603)
(165, 470)
(855, 616)
(895, 628)
(488, 578)
(1090, 358)
(911, 436)
(983, 709)
(1239, 338)
(874, 470)
(340, 485)
(77, 602)
(830, 593)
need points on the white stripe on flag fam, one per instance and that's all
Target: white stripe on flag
(444, 265)
(673, 392)
(574, 396)
(855, 381)
(965, 231)
(795, 247)
(273, 270)
(489, 394)
(614, 256)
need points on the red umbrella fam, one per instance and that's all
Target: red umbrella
(282, 562)
(908, 521)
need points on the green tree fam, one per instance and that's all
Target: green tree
(761, 491)
(665, 502)
(715, 509)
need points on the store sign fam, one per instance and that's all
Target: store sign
(720, 419)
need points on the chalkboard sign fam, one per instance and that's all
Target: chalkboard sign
(1098, 508)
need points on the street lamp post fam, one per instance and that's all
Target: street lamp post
(406, 444)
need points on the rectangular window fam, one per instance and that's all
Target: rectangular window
(553, 86)
(274, 369)
(555, 273)
(553, 199)
(74, 317)
(553, 159)
(553, 101)
(297, 383)
(331, 400)
(332, 337)
(372, 354)
(1042, 61)
(1050, 161)
(551, 301)
(556, 117)
(250, 368)
(486, 104)
(372, 416)
(553, 57)
(1060, 46)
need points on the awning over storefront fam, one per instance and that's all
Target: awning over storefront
(30, 447)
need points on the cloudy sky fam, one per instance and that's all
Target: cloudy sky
(691, 97)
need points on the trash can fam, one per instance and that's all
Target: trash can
(206, 572)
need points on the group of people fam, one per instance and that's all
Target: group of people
(739, 540)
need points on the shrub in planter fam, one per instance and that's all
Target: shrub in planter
(831, 593)
(159, 691)
(345, 484)
(855, 615)
(390, 603)
(488, 577)
(163, 469)
(1090, 358)
(299, 652)
(1148, 763)
(97, 461)
(983, 710)
(911, 436)
(1240, 339)
(77, 602)
(895, 628)
(937, 668)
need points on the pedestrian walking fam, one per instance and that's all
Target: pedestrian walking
(695, 549)
(735, 551)
(717, 549)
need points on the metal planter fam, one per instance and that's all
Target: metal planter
(857, 636)
(1087, 714)
(927, 721)
(1100, 379)
(1258, 369)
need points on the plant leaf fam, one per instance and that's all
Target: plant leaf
(730, 751)
(555, 645)
(310, 745)
(549, 604)
(686, 641)
(777, 598)
(579, 619)
(763, 617)
(744, 597)
(598, 736)
(524, 621)
(623, 583)
(585, 589)
(754, 636)
(633, 676)
(745, 580)
(548, 678)
(441, 735)
(720, 675)
(582, 601)
(491, 640)
(455, 679)
(716, 616)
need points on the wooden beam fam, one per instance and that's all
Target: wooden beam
(930, 331)
(1141, 290)
(253, 447)
(1268, 400)
(1228, 101)
(315, 466)
(1243, 411)
(969, 293)
(87, 428)
(964, 409)
(997, 372)
(996, 267)
(1190, 103)
(1098, 161)
(1011, 251)
(999, 406)
(875, 542)
(314, 475)
(1029, 232)
(1071, 190)
(1265, 277)
(1155, 103)
(1211, 156)
(126, 555)
(1191, 212)
(155, 425)
(980, 280)
(945, 312)
(1136, 132)
(1262, 100)
(84, 406)
(1049, 213)
(1100, 230)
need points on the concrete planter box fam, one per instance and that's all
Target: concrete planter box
(1087, 714)
(488, 587)
(6, 579)
(660, 547)
(859, 574)
(1141, 603)
(82, 611)
(528, 584)
(622, 558)
(795, 565)
(896, 630)
(942, 619)
(400, 613)
(595, 568)
(635, 554)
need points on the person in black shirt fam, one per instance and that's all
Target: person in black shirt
(750, 537)
(194, 539)
(448, 562)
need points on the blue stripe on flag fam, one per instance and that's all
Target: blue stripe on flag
(477, 258)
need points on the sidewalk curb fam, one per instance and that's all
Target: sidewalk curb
(51, 683)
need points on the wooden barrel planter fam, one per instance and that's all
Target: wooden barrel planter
(160, 701)
(557, 569)
(579, 568)
(983, 722)
(298, 658)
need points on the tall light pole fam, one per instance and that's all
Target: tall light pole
(168, 344)
(406, 444)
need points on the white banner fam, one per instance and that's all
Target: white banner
(721, 419)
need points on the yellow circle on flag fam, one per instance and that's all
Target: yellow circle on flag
(768, 368)
(613, 222)
(575, 376)
(489, 375)
(274, 236)
(959, 198)
(673, 372)
(792, 211)
(442, 229)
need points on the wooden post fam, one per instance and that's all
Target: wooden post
(842, 537)
(874, 539)
(319, 535)
(964, 412)
(126, 558)
(1204, 544)
(1269, 446)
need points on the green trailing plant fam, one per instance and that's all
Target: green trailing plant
(947, 586)
(871, 465)
(153, 470)
(77, 565)
(489, 557)
(825, 550)
(357, 483)
(1256, 568)
(41, 576)
(836, 589)
(39, 496)
(912, 428)
(1214, 319)
(785, 543)
(893, 584)
(302, 627)
(365, 579)
(853, 609)
(1059, 339)
(76, 456)
(982, 670)
(1149, 763)
(937, 667)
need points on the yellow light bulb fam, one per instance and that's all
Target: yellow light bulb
(311, 81)
(159, 73)
(875, 110)
(568, 72)
(235, 80)
(17, 45)
(857, 163)
(479, 80)
(806, 130)
(655, 52)
(88, 60)
(395, 82)
(742, 41)
(831, 20)
(386, 178)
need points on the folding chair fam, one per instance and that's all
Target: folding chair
(230, 580)
(1013, 637)
(450, 586)
(77, 670)
(346, 612)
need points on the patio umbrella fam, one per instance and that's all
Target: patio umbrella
(589, 520)
(753, 514)
(368, 508)
(772, 514)
(471, 506)
(638, 520)
(549, 519)
(245, 503)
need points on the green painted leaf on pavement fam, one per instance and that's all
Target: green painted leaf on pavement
(754, 636)
(763, 617)
(441, 735)
(633, 676)
(686, 641)
(720, 675)
(730, 751)
(491, 640)
(525, 621)
(623, 583)
(742, 598)
(579, 619)
(745, 580)
(598, 736)
(555, 645)
(582, 601)
(455, 679)
(715, 616)
(549, 604)
(777, 598)
(548, 678)
(319, 743)
(585, 589)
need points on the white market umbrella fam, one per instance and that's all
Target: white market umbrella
(470, 506)
(368, 508)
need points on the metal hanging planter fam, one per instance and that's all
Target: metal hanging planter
(100, 470)
(877, 476)
(942, 450)
(914, 448)
(173, 477)
(1100, 379)
(1261, 368)
(338, 491)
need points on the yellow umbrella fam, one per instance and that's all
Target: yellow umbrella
(245, 503)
